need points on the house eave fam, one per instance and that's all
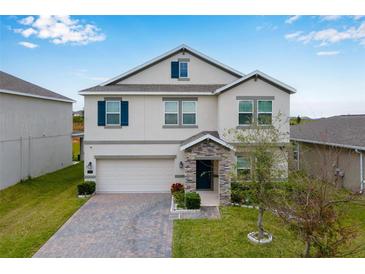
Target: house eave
(103, 93)
(328, 144)
(207, 137)
(35, 96)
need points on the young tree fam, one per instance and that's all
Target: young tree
(314, 209)
(262, 145)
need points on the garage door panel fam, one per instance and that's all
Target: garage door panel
(138, 175)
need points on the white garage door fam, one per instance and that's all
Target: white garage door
(137, 175)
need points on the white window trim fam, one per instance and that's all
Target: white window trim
(264, 112)
(245, 112)
(182, 113)
(250, 168)
(165, 112)
(112, 112)
(187, 70)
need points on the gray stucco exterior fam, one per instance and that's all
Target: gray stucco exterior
(35, 137)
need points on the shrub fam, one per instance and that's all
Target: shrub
(177, 187)
(241, 193)
(192, 200)
(86, 188)
(179, 198)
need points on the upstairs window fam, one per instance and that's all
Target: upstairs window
(189, 112)
(183, 70)
(244, 166)
(171, 113)
(245, 112)
(112, 113)
(264, 112)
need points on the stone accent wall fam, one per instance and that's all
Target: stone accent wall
(210, 150)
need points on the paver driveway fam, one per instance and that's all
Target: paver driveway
(115, 225)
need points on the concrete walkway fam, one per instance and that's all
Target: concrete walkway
(115, 225)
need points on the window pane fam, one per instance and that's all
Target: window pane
(265, 119)
(188, 106)
(265, 106)
(112, 119)
(112, 106)
(170, 119)
(183, 69)
(245, 118)
(189, 119)
(170, 106)
(243, 163)
(245, 106)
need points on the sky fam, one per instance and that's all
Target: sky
(323, 57)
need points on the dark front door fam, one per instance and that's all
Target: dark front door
(204, 174)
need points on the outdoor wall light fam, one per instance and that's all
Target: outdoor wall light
(89, 167)
(181, 164)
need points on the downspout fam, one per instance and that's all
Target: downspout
(362, 180)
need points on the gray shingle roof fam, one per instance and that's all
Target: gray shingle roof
(156, 88)
(200, 134)
(11, 83)
(345, 130)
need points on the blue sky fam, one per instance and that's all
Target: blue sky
(322, 57)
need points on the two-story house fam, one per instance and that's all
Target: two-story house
(164, 122)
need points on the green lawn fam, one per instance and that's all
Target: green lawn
(33, 210)
(75, 150)
(227, 237)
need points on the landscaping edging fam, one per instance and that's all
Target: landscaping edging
(174, 209)
(86, 196)
(266, 240)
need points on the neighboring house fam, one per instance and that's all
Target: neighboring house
(164, 122)
(35, 130)
(332, 148)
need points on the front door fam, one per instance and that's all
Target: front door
(204, 174)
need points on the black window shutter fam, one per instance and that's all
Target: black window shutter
(174, 69)
(101, 113)
(124, 113)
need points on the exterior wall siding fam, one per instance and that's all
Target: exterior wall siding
(35, 137)
(200, 72)
(322, 161)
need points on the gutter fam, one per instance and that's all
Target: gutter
(328, 144)
(36, 96)
(362, 180)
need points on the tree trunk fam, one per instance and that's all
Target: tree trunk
(307, 248)
(259, 223)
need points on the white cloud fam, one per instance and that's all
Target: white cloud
(61, 30)
(292, 19)
(331, 17)
(331, 35)
(293, 35)
(328, 53)
(28, 45)
(358, 17)
(26, 21)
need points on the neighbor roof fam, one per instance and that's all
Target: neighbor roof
(342, 131)
(14, 85)
(204, 135)
(168, 54)
(260, 75)
(156, 88)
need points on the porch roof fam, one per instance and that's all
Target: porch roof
(204, 135)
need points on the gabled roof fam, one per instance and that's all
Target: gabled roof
(340, 131)
(204, 135)
(13, 85)
(168, 54)
(260, 75)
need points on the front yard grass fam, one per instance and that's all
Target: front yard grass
(33, 210)
(227, 237)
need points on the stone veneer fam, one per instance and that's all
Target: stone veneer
(210, 150)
